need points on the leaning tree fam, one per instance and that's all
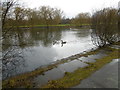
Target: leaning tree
(105, 27)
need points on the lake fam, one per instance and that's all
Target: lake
(39, 47)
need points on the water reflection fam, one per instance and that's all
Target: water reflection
(43, 46)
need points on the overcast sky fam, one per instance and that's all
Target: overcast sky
(73, 7)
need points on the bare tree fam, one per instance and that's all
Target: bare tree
(50, 15)
(19, 15)
(6, 6)
(105, 27)
(11, 52)
(81, 18)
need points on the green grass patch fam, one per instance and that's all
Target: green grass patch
(74, 78)
(58, 25)
(46, 25)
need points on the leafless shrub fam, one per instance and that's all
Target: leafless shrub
(105, 27)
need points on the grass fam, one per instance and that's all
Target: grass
(74, 78)
(25, 79)
(58, 25)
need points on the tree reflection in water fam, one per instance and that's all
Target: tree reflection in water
(31, 48)
(17, 40)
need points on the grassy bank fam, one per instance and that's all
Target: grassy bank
(58, 25)
(74, 78)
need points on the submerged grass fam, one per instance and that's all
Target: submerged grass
(74, 78)
(70, 79)
(25, 80)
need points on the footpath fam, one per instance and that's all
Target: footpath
(106, 77)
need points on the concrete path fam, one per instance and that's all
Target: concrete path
(106, 77)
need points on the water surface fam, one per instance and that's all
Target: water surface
(43, 46)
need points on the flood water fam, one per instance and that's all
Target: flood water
(39, 47)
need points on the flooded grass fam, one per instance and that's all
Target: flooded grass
(25, 79)
(74, 78)
(70, 79)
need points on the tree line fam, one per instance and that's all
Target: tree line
(104, 22)
(44, 15)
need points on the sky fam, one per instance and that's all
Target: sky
(72, 7)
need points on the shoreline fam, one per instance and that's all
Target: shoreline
(52, 26)
(25, 78)
(41, 70)
(60, 61)
(74, 78)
